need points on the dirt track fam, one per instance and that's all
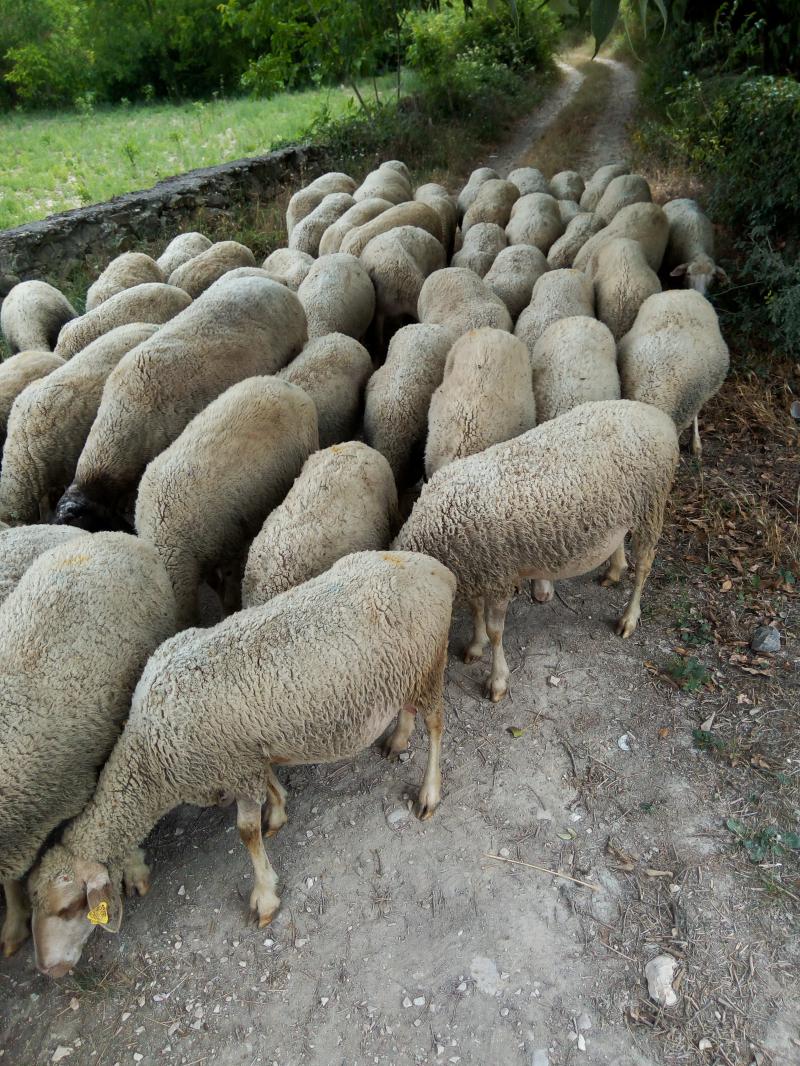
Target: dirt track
(401, 942)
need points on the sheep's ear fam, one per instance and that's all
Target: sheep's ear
(104, 901)
(720, 275)
(679, 271)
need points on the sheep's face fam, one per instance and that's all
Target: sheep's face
(700, 274)
(69, 896)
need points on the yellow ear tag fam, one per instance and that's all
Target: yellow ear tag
(99, 915)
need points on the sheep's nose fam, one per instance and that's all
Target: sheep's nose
(67, 513)
(61, 969)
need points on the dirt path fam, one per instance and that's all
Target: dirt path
(405, 943)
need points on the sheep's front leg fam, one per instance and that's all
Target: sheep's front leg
(617, 565)
(264, 900)
(697, 447)
(16, 923)
(543, 590)
(630, 619)
(277, 817)
(398, 741)
(432, 706)
(480, 637)
(497, 685)
(135, 873)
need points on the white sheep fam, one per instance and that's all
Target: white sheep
(388, 182)
(143, 303)
(470, 190)
(343, 501)
(308, 232)
(598, 183)
(557, 294)
(690, 247)
(32, 316)
(567, 210)
(16, 374)
(361, 212)
(412, 213)
(215, 708)
(563, 251)
(529, 180)
(513, 274)
(645, 223)
(200, 272)
(437, 197)
(482, 243)
(492, 203)
(622, 282)
(551, 504)
(22, 544)
(485, 397)
(238, 328)
(288, 267)
(573, 362)
(307, 199)
(398, 262)
(674, 357)
(76, 633)
(49, 424)
(566, 185)
(620, 192)
(333, 370)
(399, 394)
(127, 270)
(181, 249)
(535, 219)
(459, 300)
(205, 496)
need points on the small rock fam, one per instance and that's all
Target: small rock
(539, 1057)
(268, 943)
(405, 756)
(554, 680)
(581, 1042)
(300, 942)
(504, 1012)
(182, 890)
(766, 638)
(74, 1004)
(126, 1014)
(324, 1001)
(61, 1052)
(419, 1001)
(137, 1056)
(406, 1002)
(309, 882)
(705, 1044)
(583, 1022)
(399, 814)
(659, 973)
(504, 853)
(462, 987)
(543, 815)
(624, 742)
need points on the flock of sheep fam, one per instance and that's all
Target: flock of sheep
(207, 570)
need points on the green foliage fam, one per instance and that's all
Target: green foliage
(690, 673)
(770, 842)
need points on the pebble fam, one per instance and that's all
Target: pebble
(583, 1021)
(182, 890)
(400, 814)
(581, 1042)
(406, 1002)
(504, 852)
(766, 638)
(137, 1056)
(419, 1001)
(324, 1001)
(61, 1052)
(624, 742)
(405, 756)
(539, 1057)
(705, 1044)
(74, 1004)
(462, 987)
(504, 1012)
(268, 943)
(659, 973)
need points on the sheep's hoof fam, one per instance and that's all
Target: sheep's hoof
(274, 826)
(626, 627)
(473, 654)
(543, 591)
(427, 802)
(495, 689)
(136, 878)
(13, 938)
(264, 906)
(390, 749)
(609, 580)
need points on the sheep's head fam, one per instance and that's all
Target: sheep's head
(700, 274)
(70, 896)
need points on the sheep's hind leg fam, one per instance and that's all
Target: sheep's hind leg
(697, 447)
(617, 565)
(136, 873)
(542, 590)
(497, 684)
(276, 817)
(18, 911)
(630, 619)
(480, 638)
(401, 734)
(264, 900)
(432, 707)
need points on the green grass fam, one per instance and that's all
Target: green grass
(56, 161)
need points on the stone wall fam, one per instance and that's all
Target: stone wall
(38, 249)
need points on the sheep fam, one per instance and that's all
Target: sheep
(357, 215)
(337, 296)
(399, 166)
(622, 282)
(236, 329)
(77, 631)
(216, 708)
(308, 199)
(307, 234)
(205, 496)
(398, 262)
(583, 226)
(399, 393)
(493, 203)
(567, 210)
(127, 270)
(621, 191)
(535, 220)
(386, 183)
(485, 397)
(645, 223)
(50, 421)
(412, 213)
(573, 362)
(196, 275)
(20, 545)
(437, 197)
(470, 190)
(288, 267)
(598, 183)
(143, 303)
(181, 249)
(16, 374)
(483, 242)
(553, 503)
(32, 316)
(333, 370)
(343, 501)
(674, 357)
(459, 300)
(514, 273)
(529, 180)
(566, 185)
(557, 294)
(690, 247)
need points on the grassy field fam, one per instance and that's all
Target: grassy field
(57, 161)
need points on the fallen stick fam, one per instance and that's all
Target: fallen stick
(544, 870)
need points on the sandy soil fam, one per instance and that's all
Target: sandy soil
(406, 943)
